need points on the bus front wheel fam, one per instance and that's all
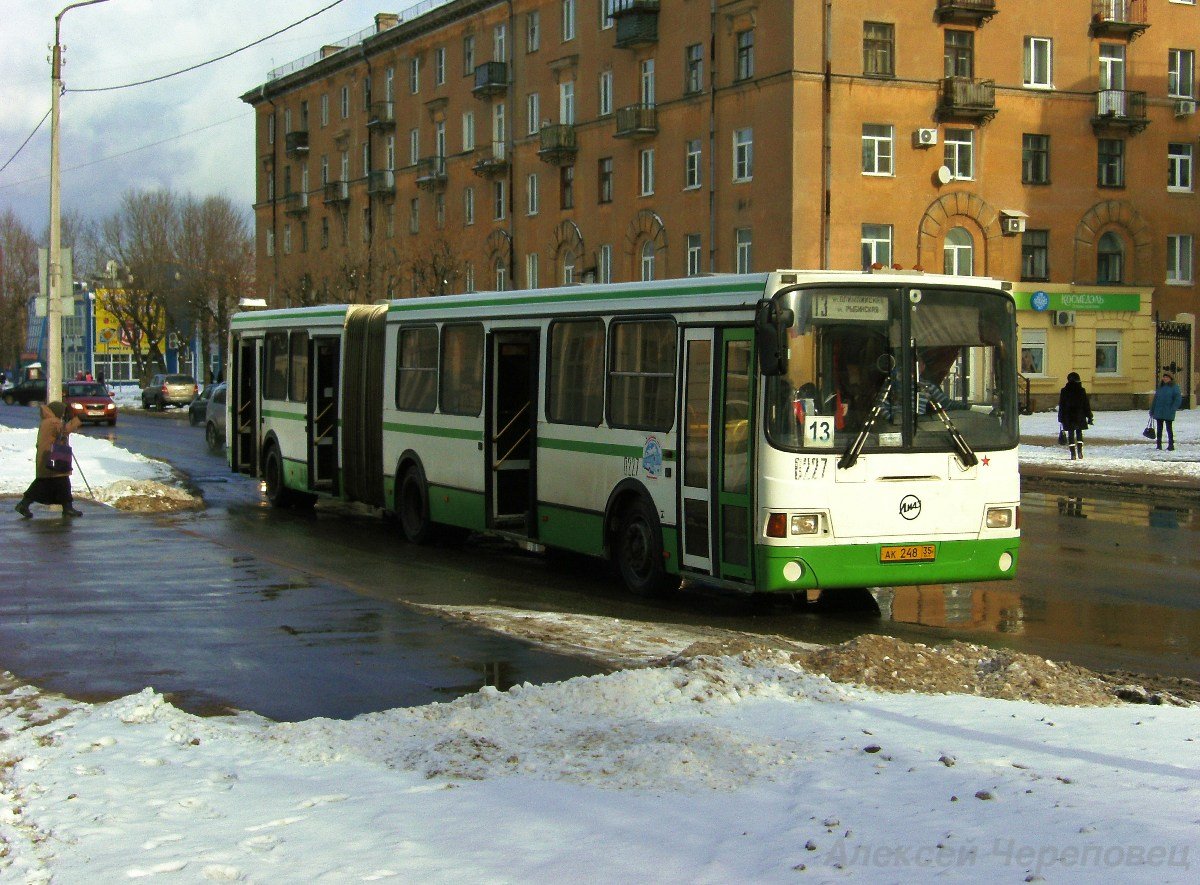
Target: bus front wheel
(639, 552)
(278, 494)
(413, 508)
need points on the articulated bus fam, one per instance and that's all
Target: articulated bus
(786, 432)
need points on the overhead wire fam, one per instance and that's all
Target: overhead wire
(26, 141)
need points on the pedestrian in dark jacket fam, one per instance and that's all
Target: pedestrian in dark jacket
(50, 486)
(1074, 413)
(1167, 400)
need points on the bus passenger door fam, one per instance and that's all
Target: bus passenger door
(718, 437)
(323, 417)
(243, 407)
(512, 430)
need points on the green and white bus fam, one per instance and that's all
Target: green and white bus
(782, 432)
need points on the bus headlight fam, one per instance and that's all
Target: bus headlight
(806, 523)
(999, 518)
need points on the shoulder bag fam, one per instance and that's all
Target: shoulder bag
(59, 457)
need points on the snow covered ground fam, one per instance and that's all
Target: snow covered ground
(713, 769)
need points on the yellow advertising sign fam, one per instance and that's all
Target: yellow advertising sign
(111, 336)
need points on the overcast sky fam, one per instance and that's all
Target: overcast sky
(188, 133)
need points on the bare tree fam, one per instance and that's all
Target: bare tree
(437, 269)
(18, 281)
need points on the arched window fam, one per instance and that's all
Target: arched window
(648, 260)
(1110, 259)
(958, 255)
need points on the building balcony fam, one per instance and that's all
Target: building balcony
(964, 98)
(637, 121)
(1120, 110)
(295, 143)
(492, 159)
(1124, 19)
(296, 203)
(381, 183)
(431, 173)
(637, 23)
(382, 115)
(964, 12)
(557, 144)
(337, 192)
(491, 78)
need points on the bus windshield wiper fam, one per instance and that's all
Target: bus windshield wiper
(850, 456)
(962, 449)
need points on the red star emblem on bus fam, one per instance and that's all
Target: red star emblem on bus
(985, 460)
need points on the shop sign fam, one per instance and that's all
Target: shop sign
(1111, 301)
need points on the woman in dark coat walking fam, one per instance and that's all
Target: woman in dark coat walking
(50, 486)
(1074, 413)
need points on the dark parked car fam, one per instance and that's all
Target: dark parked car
(26, 392)
(199, 406)
(89, 402)
(214, 419)
(169, 390)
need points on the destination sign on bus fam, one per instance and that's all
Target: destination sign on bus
(849, 306)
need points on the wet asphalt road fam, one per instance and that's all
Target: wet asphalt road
(296, 615)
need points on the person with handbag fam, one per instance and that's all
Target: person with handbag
(52, 482)
(1167, 400)
(1074, 413)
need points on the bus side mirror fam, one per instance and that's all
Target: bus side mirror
(771, 323)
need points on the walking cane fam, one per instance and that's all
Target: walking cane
(81, 476)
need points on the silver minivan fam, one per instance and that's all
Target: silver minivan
(169, 390)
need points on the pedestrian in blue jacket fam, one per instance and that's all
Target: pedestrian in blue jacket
(1167, 400)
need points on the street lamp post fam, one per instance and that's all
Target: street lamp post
(54, 280)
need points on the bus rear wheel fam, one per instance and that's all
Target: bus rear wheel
(278, 494)
(412, 506)
(638, 552)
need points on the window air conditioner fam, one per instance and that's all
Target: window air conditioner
(1185, 107)
(924, 137)
(1063, 317)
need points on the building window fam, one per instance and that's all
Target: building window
(876, 245)
(499, 200)
(1179, 259)
(366, 93)
(605, 93)
(958, 253)
(743, 250)
(533, 113)
(1033, 351)
(325, 232)
(414, 215)
(566, 187)
(647, 82)
(531, 270)
(647, 261)
(1035, 159)
(500, 43)
(468, 131)
(270, 242)
(1110, 259)
(693, 68)
(1035, 255)
(500, 274)
(324, 110)
(287, 239)
(271, 129)
(959, 154)
(1108, 351)
(879, 49)
(468, 277)
(468, 51)
(414, 75)
(646, 170)
(744, 67)
(345, 102)
(414, 146)
(691, 165)
(1179, 167)
(1039, 62)
(533, 31)
(743, 154)
(566, 103)
(531, 194)
(877, 149)
(1110, 171)
(606, 14)
(568, 20)
(1181, 73)
(693, 255)
(604, 179)
(439, 210)
(604, 264)
(469, 206)
(959, 53)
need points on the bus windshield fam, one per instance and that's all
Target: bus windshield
(896, 368)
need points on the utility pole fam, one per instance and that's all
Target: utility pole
(54, 280)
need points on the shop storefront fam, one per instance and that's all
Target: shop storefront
(1105, 334)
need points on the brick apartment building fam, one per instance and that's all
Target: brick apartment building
(484, 144)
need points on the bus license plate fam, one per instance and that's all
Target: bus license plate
(908, 553)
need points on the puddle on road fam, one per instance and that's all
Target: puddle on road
(1166, 514)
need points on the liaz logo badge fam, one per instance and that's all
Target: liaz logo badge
(910, 506)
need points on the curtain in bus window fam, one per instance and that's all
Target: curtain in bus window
(298, 388)
(416, 369)
(462, 369)
(736, 409)
(642, 375)
(275, 371)
(576, 385)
